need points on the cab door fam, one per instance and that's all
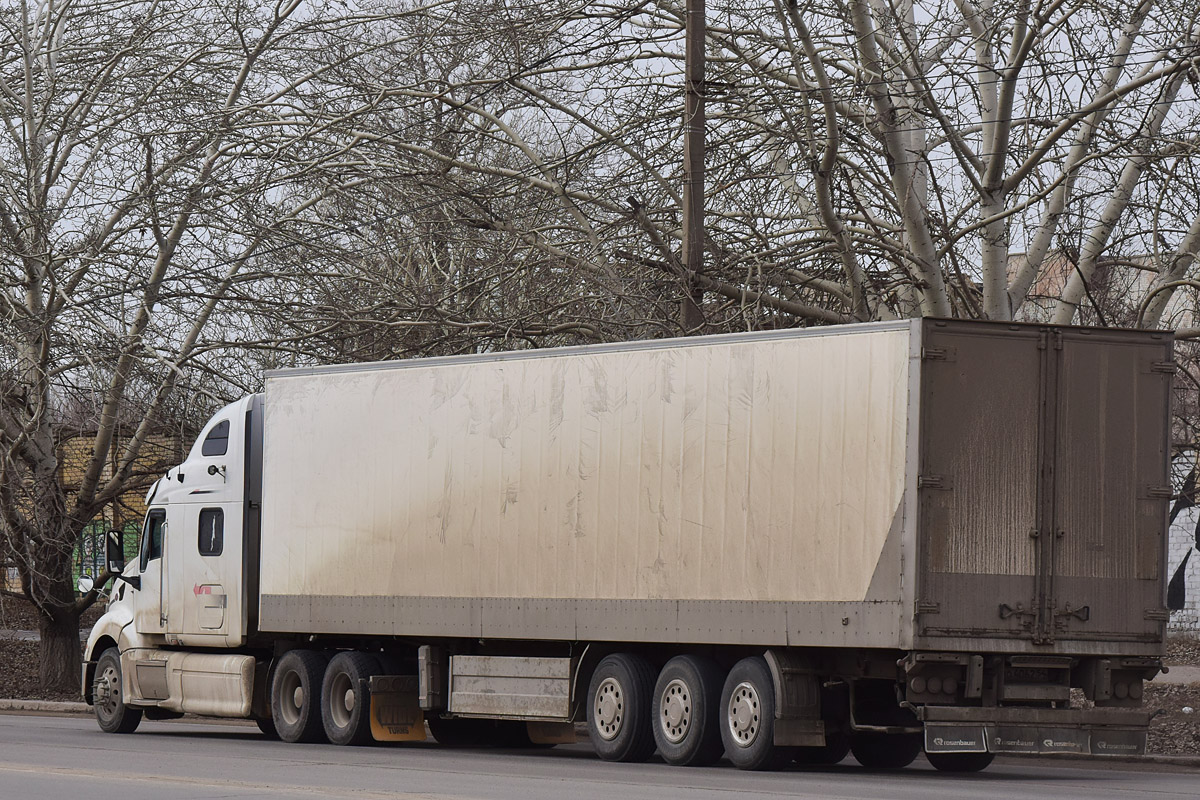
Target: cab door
(151, 608)
(207, 548)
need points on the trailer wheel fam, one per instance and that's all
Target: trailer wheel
(885, 750)
(687, 720)
(620, 708)
(345, 698)
(111, 712)
(960, 762)
(835, 749)
(296, 696)
(748, 717)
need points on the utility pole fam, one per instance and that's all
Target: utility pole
(690, 316)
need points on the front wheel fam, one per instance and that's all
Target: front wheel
(111, 712)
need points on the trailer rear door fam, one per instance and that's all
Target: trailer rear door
(1043, 484)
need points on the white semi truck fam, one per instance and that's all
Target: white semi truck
(923, 535)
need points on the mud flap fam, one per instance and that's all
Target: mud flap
(1031, 739)
(395, 715)
(1119, 742)
(955, 739)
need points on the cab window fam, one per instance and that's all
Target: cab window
(212, 532)
(217, 441)
(152, 537)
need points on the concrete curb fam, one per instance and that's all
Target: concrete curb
(45, 706)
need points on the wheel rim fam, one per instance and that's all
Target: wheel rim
(675, 707)
(341, 699)
(106, 692)
(291, 697)
(743, 714)
(609, 709)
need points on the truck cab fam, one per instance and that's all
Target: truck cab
(192, 582)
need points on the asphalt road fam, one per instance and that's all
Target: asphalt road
(59, 758)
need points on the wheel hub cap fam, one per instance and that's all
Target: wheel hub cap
(609, 709)
(105, 691)
(676, 705)
(743, 714)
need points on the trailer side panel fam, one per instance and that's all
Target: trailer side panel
(746, 489)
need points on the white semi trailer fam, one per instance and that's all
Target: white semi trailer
(878, 538)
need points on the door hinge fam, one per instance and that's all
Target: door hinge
(1157, 614)
(933, 353)
(928, 607)
(1166, 367)
(1159, 493)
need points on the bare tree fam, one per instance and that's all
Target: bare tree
(155, 156)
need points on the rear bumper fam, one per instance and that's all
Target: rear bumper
(1096, 731)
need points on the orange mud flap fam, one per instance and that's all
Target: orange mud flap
(1099, 731)
(395, 714)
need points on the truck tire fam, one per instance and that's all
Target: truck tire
(346, 699)
(687, 719)
(296, 696)
(620, 708)
(267, 726)
(835, 749)
(111, 712)
(960, 762)
(885, 750)
(748, 718)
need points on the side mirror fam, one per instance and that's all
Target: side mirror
(85, 584)
(114, 552)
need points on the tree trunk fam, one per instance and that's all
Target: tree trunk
(60, 652)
